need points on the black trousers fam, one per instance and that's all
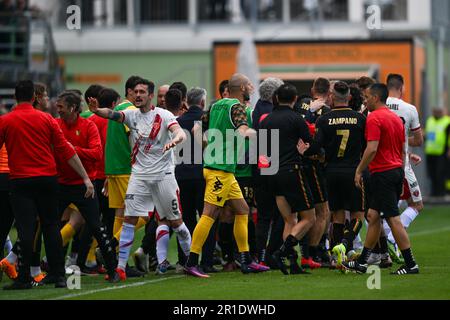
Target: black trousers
(6, 213)
(192, 194)
(89, 209)
(106, 213)
(436, 167)
(32, 198)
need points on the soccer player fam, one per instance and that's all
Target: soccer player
(385, 157)
(41, 101)
(341, 133)
(315, 174)
(289, 185)
(183, 89)
(33, 181)
(152, 182)
(221, 185)
(84, 136)
(414, 138)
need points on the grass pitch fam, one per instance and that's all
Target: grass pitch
(430, 236)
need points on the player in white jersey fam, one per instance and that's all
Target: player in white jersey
(414, 138)
(152, 187)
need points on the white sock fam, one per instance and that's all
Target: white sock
(184, 237)
(402, 205)
(408, 216)
(8, 245)
(357, 243)
(35, 271)
(11, 257)
(125, 244)
(162, 242)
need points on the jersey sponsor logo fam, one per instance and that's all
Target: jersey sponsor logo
(129, 197)
(156, 127)
(339, 121)
(218, 185)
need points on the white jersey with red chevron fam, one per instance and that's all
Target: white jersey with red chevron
(149, 134)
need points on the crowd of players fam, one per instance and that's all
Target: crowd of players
(94, 178)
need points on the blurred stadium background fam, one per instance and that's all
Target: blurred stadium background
(197, 42)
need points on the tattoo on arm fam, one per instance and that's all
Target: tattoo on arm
(114, 116)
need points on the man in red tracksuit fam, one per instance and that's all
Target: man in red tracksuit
(84, 136)
(32, 138)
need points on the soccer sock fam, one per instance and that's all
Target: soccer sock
(304, 247)
(357, 244)
(383, 245)
(201, 233)
(409, 258)
(141, 223)
(11, 257)
(67, 233)
(351, 233)
(240, 232)
(287, 246)
(8, 245)
(35, 271)
(91, 259)
(125, 244)
(338, 234)
(184, 238)
(313, 251)
(364, 256)
(118, 221)
(162, 242)
(408, 216)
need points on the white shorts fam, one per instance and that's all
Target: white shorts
(145, 198)
(412, 185)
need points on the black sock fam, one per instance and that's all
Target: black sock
(338, 234)
(364, 256)
(192, 260)
(313, 251)
(409, 258)
(290, 242)
(304, 248)
(351, 233)
(383, 245)
(377, 249)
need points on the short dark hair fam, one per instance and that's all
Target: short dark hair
(71, 98)
(287, 93)
(24, 91)
(321, 86)
(365, 83)
(180, 86)
(150, 85)
(357, 100)
(93, 91)
(173, 100)
(342, 88)
(380, 90)
(131, 83)
(107, 97)
(223, 86)
(395, 81)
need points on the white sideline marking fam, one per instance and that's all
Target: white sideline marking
(428, 232)
(137, 284)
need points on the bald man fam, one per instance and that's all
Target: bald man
(161, 98)
(222, 189)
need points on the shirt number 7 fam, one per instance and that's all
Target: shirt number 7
(345, 136)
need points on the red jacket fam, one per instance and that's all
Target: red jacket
(102, 126)
(84, 136)
(32, 137)
(4, 168)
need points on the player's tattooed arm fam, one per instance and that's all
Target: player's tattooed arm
(104, 112)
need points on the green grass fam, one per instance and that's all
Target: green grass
(430, 236)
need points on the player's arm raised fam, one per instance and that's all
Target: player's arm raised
(104, 112)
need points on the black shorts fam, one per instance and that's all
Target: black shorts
(246, 185)
(384, 192)
(342, 192)
(315, 174)
(292, 184)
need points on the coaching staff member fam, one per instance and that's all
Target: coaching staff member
(385, 157)
(32, 138)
